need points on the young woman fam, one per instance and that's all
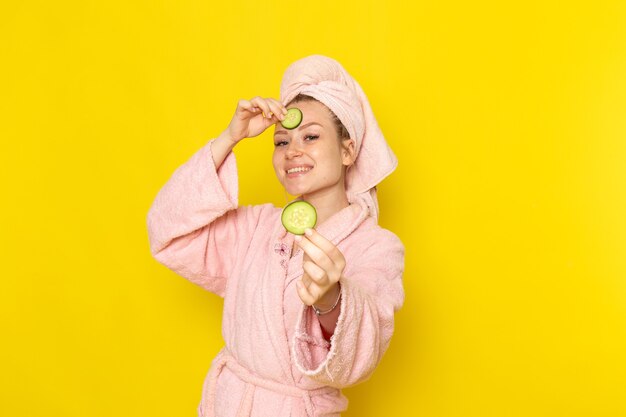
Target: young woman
(304, 316)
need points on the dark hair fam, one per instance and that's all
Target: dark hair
(342, 132)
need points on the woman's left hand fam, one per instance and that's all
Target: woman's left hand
(323, 265)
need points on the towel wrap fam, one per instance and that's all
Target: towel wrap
(327, 81)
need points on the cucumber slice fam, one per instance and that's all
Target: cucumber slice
(293, 118)
(297, 216)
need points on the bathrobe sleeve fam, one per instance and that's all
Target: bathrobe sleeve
(371, 292)
(195, 226)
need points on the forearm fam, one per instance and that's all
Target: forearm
(221, 147)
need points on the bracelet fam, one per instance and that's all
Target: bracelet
(319, 312)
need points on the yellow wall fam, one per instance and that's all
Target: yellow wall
(509, 122)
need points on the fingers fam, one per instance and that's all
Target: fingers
(304, 294)
(333, 253)
(306, 280)
(272, 109)
(323, 264)
(317, 255)
(323, 253)
(279, 109)
(259, 104)
(245, 105)
(312, 293)
(309, 290)
(316, 274)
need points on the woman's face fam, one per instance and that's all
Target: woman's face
(310, 158)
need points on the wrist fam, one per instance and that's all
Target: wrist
(329, 301)
(227, 138)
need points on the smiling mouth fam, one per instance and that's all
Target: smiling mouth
(298, 170)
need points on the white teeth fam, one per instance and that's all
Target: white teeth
(298, 169)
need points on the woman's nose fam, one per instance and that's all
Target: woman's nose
(293, 149)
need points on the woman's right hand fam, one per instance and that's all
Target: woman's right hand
(253, 116)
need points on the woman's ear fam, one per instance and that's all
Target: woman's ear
(348, 152)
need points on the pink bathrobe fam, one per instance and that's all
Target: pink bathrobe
(275, 361)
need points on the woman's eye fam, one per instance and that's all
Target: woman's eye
(311, 137)
(282, 143)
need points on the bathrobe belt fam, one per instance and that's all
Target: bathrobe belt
(224, 358)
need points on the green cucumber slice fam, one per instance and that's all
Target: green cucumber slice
(297, 216)
(293, 118)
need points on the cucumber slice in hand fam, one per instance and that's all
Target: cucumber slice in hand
(297, 216)
(293, 118)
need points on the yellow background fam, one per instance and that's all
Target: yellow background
(509, 121)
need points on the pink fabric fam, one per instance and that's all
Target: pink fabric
(326, 80)
(275, 361)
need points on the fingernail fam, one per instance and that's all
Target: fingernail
(298, 238)
(308, 232)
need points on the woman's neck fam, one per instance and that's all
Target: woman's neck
(327, 203)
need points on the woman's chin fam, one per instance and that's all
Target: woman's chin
(295, 191)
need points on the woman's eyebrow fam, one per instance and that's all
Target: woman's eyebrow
(282, 132)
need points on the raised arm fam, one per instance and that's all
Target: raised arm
(194, 223)
(251, 118)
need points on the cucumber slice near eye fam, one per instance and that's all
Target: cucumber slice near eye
(293, 118)
(297, 216)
